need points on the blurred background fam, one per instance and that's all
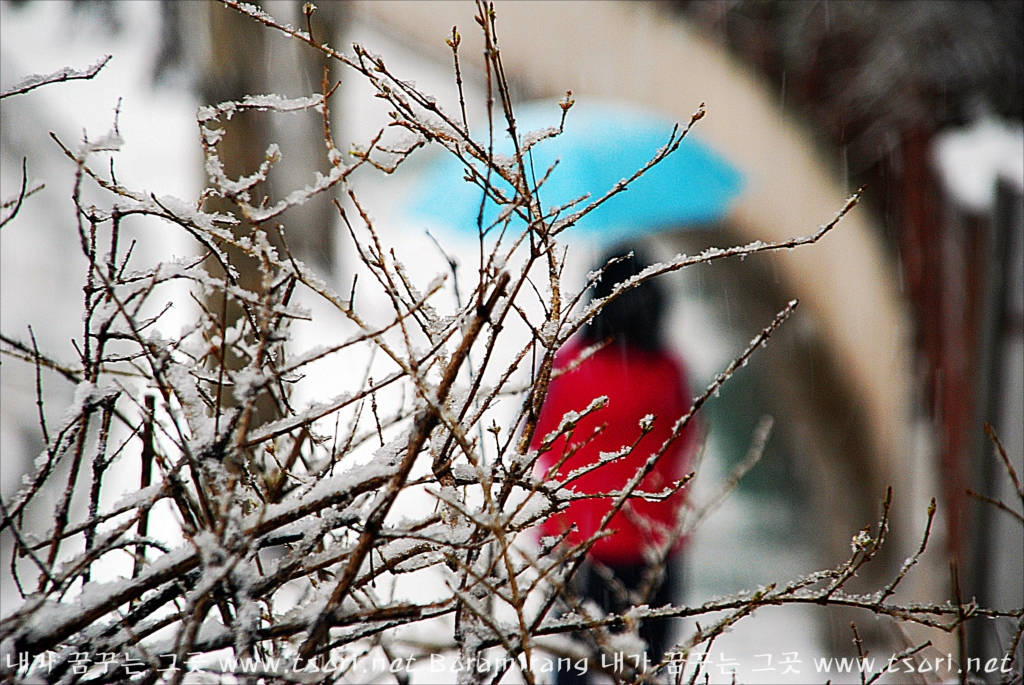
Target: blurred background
(911, 330)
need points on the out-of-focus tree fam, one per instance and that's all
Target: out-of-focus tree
(227, 57)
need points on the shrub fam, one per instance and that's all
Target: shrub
(278, 521)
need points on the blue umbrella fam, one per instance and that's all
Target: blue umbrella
(602, 143)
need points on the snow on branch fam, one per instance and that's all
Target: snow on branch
(265, 518)
(33, 81)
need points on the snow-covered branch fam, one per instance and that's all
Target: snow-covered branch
(277, 525)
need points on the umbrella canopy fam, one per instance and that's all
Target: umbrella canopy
(602, 144)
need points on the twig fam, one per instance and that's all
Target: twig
(1012, 472)
(65, 74)
(23, 193)
(998, 504)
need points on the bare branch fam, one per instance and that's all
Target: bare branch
(64, 74)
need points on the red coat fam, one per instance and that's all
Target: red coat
(637, 383)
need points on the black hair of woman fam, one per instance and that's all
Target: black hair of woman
(634, 318)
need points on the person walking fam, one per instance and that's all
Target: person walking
(640, 377)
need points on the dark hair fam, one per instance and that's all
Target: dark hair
(634, 318)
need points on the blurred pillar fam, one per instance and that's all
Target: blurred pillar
(940, 255)
(229, 56)
(245, 58)
(297, 70)
(236, 66)
(980, 365)
(997, 550)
